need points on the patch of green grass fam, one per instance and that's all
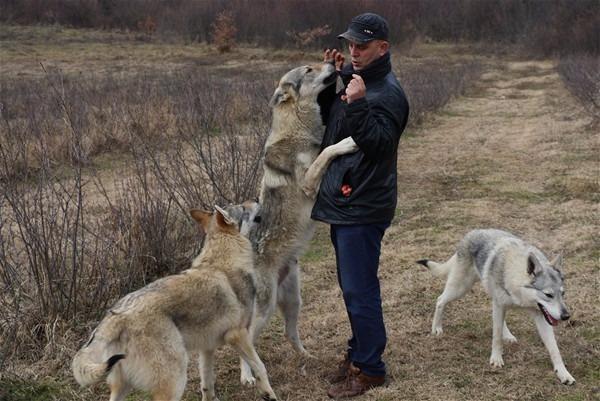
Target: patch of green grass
(591, 334)
(319, 247)
(565, 188)
(313, 254)
(572, 397)
(454, 113)
(462, 381)
(468, 326)
(531, 85)
(516, 95)
(21, 390)
(523, 196)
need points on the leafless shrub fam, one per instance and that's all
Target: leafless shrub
(71, 242)
(309, 36)
(214, 157)
(582, 77)
(543, 27)
(154, 238)
(68, 248)
(430, 86)
(52, 269)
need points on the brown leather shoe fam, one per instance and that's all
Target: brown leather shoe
(356, 383)
(340, 374)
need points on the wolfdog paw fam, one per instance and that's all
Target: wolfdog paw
(307, 355)
(565, 377)
(309, 190)
(437, 331)
(509, 339)
(496, 361)
(269, 397)
(248, 381)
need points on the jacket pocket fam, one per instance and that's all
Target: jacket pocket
(351, 167)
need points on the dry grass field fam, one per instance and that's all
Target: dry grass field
(515, 152)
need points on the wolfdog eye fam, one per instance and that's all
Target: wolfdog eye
(308, 69)
(549, 295)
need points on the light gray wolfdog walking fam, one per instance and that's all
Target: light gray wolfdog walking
(287, 197)
(514, 274)
(145, 339)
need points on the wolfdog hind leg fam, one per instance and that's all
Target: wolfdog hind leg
(240, 340)
(207, 374)
(461, 278)
(289, 301)
(546, 333)
(256, 327)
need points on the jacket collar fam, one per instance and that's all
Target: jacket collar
(374, 71)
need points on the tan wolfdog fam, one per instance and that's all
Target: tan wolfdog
(145, 339)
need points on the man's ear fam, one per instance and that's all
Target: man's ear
(384, 46)
(202, 217)
(223, 218)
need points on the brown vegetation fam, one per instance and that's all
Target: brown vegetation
(97, 170)
(75, 238)
(541, 27)
(223, 31)
(582, 77)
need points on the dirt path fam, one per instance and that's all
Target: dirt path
(516, 153)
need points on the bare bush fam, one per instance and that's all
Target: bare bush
(582, 77)
(544, 27)
(68, 248)
(430, 86)
(51, 267)
(309, 36)
(72, 241)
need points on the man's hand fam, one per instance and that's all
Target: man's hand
(335, 57)
(356, 89)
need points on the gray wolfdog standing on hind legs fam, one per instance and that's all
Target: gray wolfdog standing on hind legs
(514, 274)
(145, 339)
(287, 196)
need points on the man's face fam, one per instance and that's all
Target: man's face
(363, 54)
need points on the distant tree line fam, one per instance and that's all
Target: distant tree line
(543, 26)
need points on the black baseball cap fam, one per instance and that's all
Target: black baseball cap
(365, 28)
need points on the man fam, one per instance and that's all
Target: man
(357, 196)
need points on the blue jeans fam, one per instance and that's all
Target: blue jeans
(357, 250)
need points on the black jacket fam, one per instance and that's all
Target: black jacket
(375, 122)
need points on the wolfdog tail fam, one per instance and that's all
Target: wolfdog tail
(439, 269)
(90, 364)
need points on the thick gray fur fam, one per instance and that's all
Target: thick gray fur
(516, 275)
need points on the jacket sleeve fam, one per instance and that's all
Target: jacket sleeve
(376, 128)
(325, 100)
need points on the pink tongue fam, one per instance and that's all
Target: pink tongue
(552, 320)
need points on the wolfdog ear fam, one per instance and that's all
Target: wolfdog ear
(279, 96)
(201, 216)
(557, 262)
(223, 218)
(534, 267)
